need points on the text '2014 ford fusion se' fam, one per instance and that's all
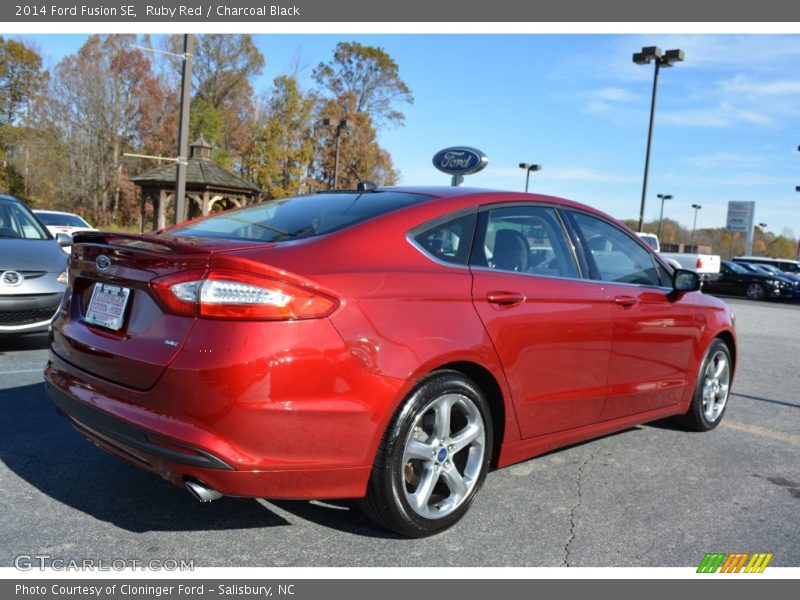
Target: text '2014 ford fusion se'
(390, 345)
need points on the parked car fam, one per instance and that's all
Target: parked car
(388, 345)
(32, 270)
(738, 280)
(784, 264)
(63, 222)
(775, 271)
(705, 265)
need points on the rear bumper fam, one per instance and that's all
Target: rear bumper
(294, 429)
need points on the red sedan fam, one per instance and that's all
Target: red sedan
(389, 345)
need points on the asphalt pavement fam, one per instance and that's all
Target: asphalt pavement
(652, 495)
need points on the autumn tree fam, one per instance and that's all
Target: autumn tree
(368, 78)
(102, 100)
(284, 146)
(360, 154)
(21, 78)
(223, 111)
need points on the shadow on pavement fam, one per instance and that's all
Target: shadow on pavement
(44, 450)
(33, 341)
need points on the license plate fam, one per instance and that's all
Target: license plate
(107, 306)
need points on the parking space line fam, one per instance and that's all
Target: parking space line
(22, 371)
(766, 432)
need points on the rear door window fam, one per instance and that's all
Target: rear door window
(524, 239)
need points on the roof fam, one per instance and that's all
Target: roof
(200, 173)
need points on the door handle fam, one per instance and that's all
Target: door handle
(626, 301)
(505, 298)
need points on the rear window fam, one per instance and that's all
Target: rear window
(298, 217)
(61, 220)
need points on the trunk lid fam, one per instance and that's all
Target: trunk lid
(149, 338)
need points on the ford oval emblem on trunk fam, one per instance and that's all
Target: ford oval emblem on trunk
(460, 160)
(102, 262)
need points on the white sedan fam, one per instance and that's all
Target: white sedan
(63, 222)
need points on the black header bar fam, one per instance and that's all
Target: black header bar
(442, 11)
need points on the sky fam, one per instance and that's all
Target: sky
(727, 123)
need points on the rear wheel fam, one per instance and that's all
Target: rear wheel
(755, 291)
(433, 457)
(712, 389)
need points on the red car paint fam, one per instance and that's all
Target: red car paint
(297, 408)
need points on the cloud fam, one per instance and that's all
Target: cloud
(743, 85)
(715, 160)
(724, 114)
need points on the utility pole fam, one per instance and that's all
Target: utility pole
(183, 128)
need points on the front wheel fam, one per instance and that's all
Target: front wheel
(755, 291)
(433, 458)
(712, 389)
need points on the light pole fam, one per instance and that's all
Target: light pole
(529, 168)
(763, 227)
(661, 59)
(696, 207)
(342, 125)
(661, 216)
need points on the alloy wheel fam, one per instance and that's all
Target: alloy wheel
(443, 456)
(716, 385)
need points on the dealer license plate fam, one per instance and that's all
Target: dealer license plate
(107, 306)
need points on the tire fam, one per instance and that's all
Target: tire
(432, 459)
(755, 291)
(713, 386)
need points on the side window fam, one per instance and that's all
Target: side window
(525, 239)
(618, 257)
(449, 241)
(663, 274)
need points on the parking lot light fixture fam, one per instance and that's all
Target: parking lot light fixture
(669, 58)
(528, 168)
(763, 227)
(341, 125)
(696, 207)
(662, 197)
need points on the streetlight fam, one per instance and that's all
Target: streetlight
(696, 207)
(661, 217)
(342, 125)
(763, 227)
(529, 168)
(661, 59)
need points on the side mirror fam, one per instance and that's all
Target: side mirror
(64, 239)
(684, 280)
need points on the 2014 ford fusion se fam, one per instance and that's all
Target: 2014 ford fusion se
(390, 345)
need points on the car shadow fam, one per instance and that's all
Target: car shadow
(43, 449)
(342, 515)
(31, 341)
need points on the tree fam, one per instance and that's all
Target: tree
(368, 78)
(781, 247)
(222, 106)
(21, 78)
(360, 154)
(284, 146)
(103, 100)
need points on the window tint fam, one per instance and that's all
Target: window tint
(618, 257)
(298, 217)
(449, 241)
(63, 220)
(525, 239)
(16, 221)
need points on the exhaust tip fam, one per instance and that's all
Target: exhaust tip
(202, 492)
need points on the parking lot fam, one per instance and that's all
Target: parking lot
(649, 496)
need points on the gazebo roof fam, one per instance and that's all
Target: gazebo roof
(201, 172)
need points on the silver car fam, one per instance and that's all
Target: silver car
(33, 270)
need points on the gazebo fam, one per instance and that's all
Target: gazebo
(206, 185)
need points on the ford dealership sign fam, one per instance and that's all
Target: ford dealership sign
(460, 160)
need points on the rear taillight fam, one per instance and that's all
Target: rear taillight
(699, 263)
(237, 295)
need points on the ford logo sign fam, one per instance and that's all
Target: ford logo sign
(102, 262)
(460, 160)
